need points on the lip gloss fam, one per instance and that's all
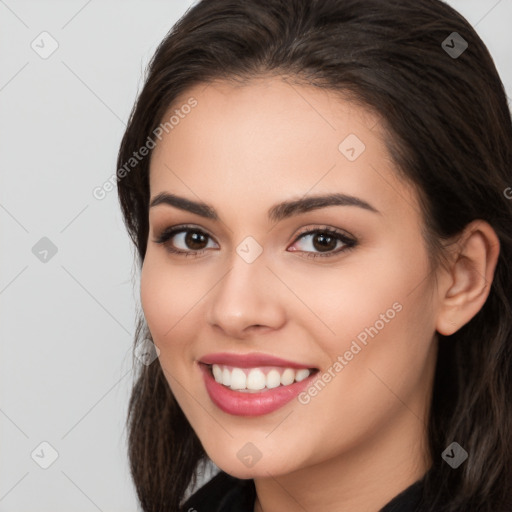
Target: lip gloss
(254, 403)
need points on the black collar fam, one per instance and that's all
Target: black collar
(225, 493)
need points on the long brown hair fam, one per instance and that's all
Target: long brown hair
(449, 131)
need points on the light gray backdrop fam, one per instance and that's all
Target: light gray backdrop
(67, 298)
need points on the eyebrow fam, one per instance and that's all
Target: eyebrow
(276, 213)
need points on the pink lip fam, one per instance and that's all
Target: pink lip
(251, 404)
(249, 360)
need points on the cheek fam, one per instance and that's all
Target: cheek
(377, 314)
(172, 298)
(351, 297)
(154, 300)
(164, 298)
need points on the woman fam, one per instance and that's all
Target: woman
(317, 191)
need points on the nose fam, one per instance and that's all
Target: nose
(247, 298)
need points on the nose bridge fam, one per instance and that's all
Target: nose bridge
(246, 295)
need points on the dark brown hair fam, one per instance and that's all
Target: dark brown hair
(449, 132)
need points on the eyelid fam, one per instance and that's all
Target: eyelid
(171, 231)
(308, 229)
(323, 227)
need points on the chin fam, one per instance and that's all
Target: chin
(270, 465)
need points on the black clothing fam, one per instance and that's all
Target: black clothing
(224, 493)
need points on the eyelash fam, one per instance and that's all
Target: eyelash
(168, 233)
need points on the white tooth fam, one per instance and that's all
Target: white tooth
(287, 377)
(301, 374)
(238, 379)
(226, 377)
(273, 379)
(217, 373)
(256, 379)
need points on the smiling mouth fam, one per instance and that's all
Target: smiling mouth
(257, 379)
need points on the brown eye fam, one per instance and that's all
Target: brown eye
(191, 241)
(324, 241)
(184, 240)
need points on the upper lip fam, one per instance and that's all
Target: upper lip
(249, 360)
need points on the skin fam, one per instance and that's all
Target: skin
(243, 148)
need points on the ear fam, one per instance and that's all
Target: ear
(466, 284)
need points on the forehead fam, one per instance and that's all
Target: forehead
(270, 139)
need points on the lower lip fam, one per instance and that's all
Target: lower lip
(251, 404)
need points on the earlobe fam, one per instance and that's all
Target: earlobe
(470, 276)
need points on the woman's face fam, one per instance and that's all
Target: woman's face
(362, 312)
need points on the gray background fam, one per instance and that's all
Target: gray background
(67, 323)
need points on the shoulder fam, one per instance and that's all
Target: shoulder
(223, 493)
